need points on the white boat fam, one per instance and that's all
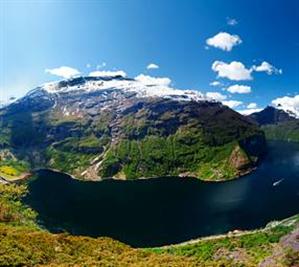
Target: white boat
(278, 182)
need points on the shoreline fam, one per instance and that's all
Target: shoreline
(236, 233)
(16, 179)
(183, 175)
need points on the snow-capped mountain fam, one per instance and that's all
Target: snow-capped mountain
(142, 86)
(272, 115)
(113, 126)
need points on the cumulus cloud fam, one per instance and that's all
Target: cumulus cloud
(288, 104)
(149, 80)
(267, 67)
(249, 111)
(217, 96)
(224, 41)
(231, 21)
(215, 83)
(152, 66)
(235, 70)
(232, 103)
(252, 105)
(63, 71)
(239, 89)
(107, 73)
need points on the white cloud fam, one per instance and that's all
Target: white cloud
(231, 21)
(288, 104)
(224, 41)
(267, 67)
(239, 89)
(252, 105)
(88, 65)
(148, 80)
(217, 96)
(249, 111)
(107, 73)
(235, 70)
(152, 66)
(232, 103)
(63, 71)
(215, 83)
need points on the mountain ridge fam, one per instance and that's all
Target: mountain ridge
(128, 129)
(277, 124)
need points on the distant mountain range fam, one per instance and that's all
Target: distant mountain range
(272, 115)
(98, 127)
(277, 124)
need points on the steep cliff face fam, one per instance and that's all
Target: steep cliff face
(116, 127)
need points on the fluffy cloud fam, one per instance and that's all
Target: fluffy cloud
(252, 105)
(152, 66)
(235, 70)
(215, 83)
(231, 21)
(249, 111)
(107, 73)
(224, 41)
(63, 71)
(267, 67)
(239, 89)
(148, 80)
(217, 96)
(232, 103)
(288, 104)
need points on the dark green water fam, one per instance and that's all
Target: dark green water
(169, 210)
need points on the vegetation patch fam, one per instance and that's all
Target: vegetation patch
(12, 169)
(288, 131)
(248, 249)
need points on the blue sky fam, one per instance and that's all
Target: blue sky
(129, 35)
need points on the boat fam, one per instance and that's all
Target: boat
(278, 182)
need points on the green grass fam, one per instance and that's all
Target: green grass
(256, 246)
(68, 161)
(11, 169)
(12, 211)
(172, 155)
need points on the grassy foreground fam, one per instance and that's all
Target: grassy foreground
(24, 243)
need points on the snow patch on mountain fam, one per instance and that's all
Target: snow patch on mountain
(142, 85)
(7, 102)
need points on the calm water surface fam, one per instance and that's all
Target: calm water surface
(169, 210)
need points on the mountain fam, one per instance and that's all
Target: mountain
(113, 126)
(271, 115)
(278, 124)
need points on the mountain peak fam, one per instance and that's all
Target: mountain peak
(272, 115)
(142, 85)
